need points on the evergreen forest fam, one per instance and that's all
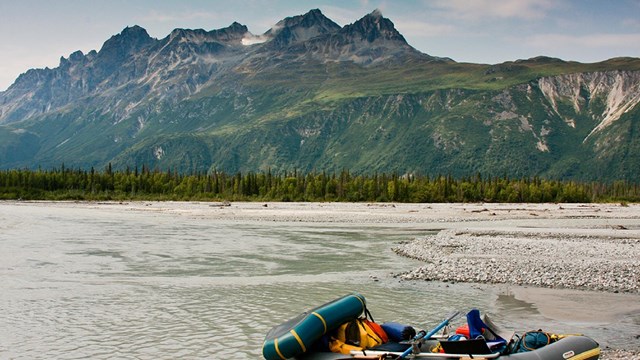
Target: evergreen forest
(146, 184)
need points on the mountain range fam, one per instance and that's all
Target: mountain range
(311, 95)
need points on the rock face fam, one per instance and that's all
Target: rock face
(309, 94)
(299, 29)
(618, 92)
(372, 39)
(374, 27)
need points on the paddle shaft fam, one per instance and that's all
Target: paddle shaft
(429, 334)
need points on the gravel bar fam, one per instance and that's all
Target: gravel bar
(616, 354)
(541, 259)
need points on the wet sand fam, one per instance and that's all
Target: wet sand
(579, 306)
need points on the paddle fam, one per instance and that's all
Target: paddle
(426, 335)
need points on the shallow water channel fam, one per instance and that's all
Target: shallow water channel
(105, 283)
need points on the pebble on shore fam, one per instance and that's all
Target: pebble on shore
(616, 354)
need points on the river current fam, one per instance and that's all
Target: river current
(103, 283)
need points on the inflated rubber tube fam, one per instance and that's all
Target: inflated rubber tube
(569, 348)
(294, 337)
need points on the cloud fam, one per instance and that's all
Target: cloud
(251, 39)
(591, 41)
(483, 9)
(424, 29)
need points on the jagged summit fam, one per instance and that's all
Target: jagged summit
(313, 18)
(233, 32)
(376, 13)
(133, 37)
(130, 40)
(374, 26)
(372, 39)
(74, 58)
(301, 28)
(134, 58)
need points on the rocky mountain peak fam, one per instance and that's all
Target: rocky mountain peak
(235, 28)
(316, 18)
(75, 57)
(371, 40)
(180, 36)
(374, 26)
(313, 18)
(131, 35)
(376, 13)
(130, 40)
(301, 28)
(232, 33)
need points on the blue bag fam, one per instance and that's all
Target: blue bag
(398, 332)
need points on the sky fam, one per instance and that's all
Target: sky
(36, 33)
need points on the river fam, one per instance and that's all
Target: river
(104, 283)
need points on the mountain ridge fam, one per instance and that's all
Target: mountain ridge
(310, 94)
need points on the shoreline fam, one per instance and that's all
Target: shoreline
(571, 261)
(581, 306)
(449, 215)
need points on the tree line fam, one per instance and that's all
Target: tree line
(145, 184)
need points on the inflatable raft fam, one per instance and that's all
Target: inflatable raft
(298, 339)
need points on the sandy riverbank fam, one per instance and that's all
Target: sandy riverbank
(576, 247)
(563, 217)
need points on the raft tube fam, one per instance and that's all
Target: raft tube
(293, 338)
(569, 348)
